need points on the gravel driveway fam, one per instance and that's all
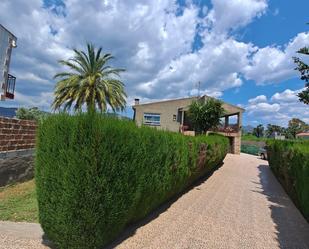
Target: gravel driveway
(240, 206)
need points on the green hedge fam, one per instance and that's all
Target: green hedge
(290, 163)
(94, 175)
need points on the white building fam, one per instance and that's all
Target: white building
(7, 81)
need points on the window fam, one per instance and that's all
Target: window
(152, 119)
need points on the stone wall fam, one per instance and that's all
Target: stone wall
(16, 166)
(16, 134)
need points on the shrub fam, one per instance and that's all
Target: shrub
(289, 160)
(31, 114)
(205, 115)
(94, 175)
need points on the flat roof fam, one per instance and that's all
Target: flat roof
(170, 100)
(303, 134)
(163, 101)
(7, 30)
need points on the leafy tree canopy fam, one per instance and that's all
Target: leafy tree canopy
(205, 115)
(258, 131)
(30, 113)
(296, 126)
(303, 68)
(274, 128)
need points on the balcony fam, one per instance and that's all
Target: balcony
(10, 87)
(228, 129)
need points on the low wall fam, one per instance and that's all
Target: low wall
(16, 166)
(16, 134)
(17, 142)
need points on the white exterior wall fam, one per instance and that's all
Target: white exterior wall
(6, 44)
(166, 109)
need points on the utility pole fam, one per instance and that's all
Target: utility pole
(199, 88)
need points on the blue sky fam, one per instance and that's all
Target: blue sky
(240, 51)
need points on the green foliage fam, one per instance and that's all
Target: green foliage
(295, 126)
(95, 174)
(18, 202)
(205, 115)
(289, 160)
(252, 138)
(259, 131)
(90, 81)
(303, 68)
(274, 128)
(31, 114)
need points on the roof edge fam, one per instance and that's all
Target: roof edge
(170, 100)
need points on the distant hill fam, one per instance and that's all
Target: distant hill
(8, 112)
(119, 116)
(247, 129)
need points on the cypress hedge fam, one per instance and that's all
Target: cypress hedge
(289, 160)
(94, 174)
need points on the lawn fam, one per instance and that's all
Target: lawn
(253, 138)
(18, 202)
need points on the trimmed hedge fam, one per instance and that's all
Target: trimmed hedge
(289, 160)
(94, 175)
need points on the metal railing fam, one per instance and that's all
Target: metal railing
(10, 87)
(227, 129)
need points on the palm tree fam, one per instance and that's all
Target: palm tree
(90, 81)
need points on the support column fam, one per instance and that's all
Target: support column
(226, 122)
(236, 145)
(182, 117)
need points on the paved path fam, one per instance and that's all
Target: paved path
(240, 206)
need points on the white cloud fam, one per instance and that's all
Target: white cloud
(286, 96)
(153, 41)
(42, 101)
(282, 107)
(273, 64)
(258, 99)
(263, 108)
(232, 14)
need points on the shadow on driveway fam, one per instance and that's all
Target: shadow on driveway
(131, 228)
(292, 228)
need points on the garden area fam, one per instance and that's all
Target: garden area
(19, 203)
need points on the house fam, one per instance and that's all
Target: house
(7, 81)
(276, 135)
(303, 135)
(172, 115)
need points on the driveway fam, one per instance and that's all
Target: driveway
(240, 206)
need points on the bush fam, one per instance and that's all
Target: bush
(290, 163)
(94, 175)
(31, 114)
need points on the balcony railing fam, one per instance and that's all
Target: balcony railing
(227, 129)
(10, 87)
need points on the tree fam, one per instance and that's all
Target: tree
(205, 115)
(30, 114)
(303, 68)
(259, 131)
(89, 82)
(274, 128)
(296, 126)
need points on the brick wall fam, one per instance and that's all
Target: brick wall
(16, 134)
